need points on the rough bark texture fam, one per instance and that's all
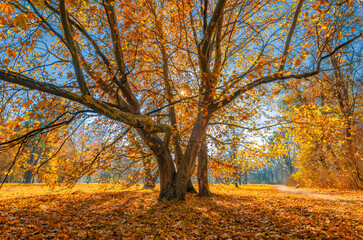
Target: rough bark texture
(167, 177)
(187, 165)
(236, 182)
(190, 187)
(203, 183)
(167, 171)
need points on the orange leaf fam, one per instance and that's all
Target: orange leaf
(298, 62)
(7, 9)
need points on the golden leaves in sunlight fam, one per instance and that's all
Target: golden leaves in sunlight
(6, 8)
(39, 3)
(21, 21)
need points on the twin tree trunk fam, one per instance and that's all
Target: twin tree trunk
(150, 178)
(174, 184)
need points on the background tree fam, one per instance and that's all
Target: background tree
(326, 123)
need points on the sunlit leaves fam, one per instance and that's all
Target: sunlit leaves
(6, 8)
(39, 3)
(21, 21)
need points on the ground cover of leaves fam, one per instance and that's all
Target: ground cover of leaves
(250, 212)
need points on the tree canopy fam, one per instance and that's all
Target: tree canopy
(165, 69)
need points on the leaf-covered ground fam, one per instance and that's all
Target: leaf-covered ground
(251, 212)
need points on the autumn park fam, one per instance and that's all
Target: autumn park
(181, 119)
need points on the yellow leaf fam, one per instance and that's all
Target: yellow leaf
(39, 3)
(20, 21)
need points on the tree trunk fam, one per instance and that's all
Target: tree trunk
(236, 176)
(167, 172)
(167, 176)
(245, 175)
(187, 165)
(29, 176)
(29, 173)
(190, 187)
(172, 114)
(236, 182)
(149, 178)
(202, 172)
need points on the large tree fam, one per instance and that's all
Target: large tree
(165, 68)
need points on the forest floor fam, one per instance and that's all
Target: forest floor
(249, 212)
(331, 194)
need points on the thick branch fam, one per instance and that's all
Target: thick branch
(172, 112)
(103, 85)
(116, 41)
(289, 36)
(73, 49)
(218, 51)
(144, 122)
(218, 11)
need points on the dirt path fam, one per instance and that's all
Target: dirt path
(286, 189)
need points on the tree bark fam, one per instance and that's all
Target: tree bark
(202, 172)
(236, 182)
(149, 178)
(186, 168)
(167, 172)
(29, 176)
(29, 173)
(190, 187)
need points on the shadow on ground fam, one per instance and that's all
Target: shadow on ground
(245, 213)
